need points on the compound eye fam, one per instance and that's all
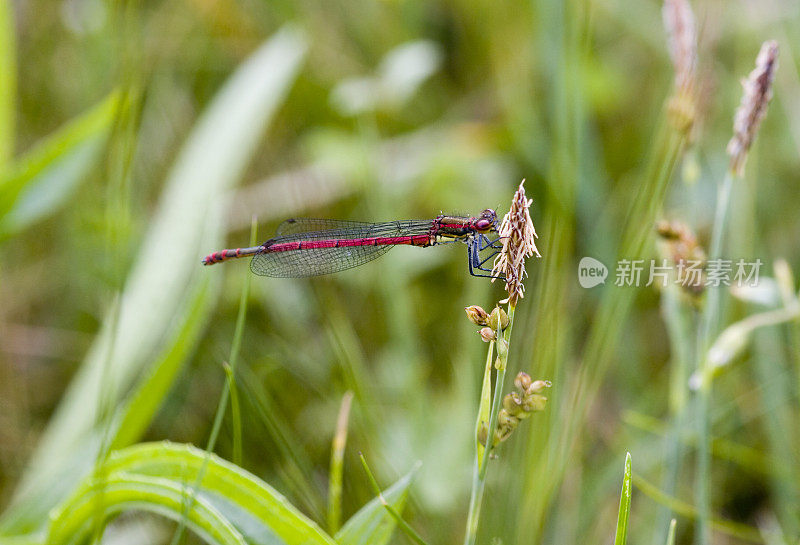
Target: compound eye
(483, 224)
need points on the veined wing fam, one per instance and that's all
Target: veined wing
(323, 229)
(318, 261)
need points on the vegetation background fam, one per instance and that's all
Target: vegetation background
(136, 137)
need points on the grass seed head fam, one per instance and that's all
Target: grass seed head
(519, 243)
(753, 108)
(498, 319)
(487, 334)
(518, 406)
(477, 315)
(682, 39)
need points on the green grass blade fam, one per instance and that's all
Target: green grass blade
(188, 222)
(8, 82)
(295, 460)
(227, 392)
(46, 176)
(253, 507)
(671, 533)
(621, 536)
(374, 524)
(140, 407)
(337, 464)
(72, 523)
(28, 539)
(737, 530)
(485, 404)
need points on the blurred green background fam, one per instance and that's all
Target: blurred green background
(122, 163)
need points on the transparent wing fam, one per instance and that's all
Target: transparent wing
(318, 261)
(308, 225)
(322, 229)
(302, 263)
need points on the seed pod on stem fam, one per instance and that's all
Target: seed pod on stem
(477, 315)
(498, 319)
(487, 334)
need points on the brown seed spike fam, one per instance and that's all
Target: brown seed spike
(682, 36)
(753, 108)
(519, 243)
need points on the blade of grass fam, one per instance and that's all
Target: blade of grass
(236, 415)
(485, 404)
(337, 464)
(296, 463)
(135, 415)
(407, 529)
(734, 529)
(42, 179)
(189, 220)
(227, 392)
(680, 325)
(709, 321)
(481, 465)
(8, 82)
(776, 399)
(621, 536)
(671, 532)
(122, 492)
(239, 499)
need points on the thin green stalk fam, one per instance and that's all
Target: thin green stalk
(297, 465)
(409, 531)
(8, 82)
(122, 147)
(479, 471)
(708, 327)
(671, 532)
(740, 531)
(621, 536)
(236, 416)
(337, 465)
(679, 328)
(223, 400)
(608, 324)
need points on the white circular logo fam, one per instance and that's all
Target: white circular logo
(591, 272)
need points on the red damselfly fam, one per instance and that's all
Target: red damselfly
(310, 247)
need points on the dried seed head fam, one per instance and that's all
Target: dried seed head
(477, 315)
(682, 38)
(519, 243)
(753, 108)
(678, 243)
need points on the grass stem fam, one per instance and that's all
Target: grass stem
(236, 344)
(481, 465)
(409, 531)
(708, 326)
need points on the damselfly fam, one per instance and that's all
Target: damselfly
(310, 247)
